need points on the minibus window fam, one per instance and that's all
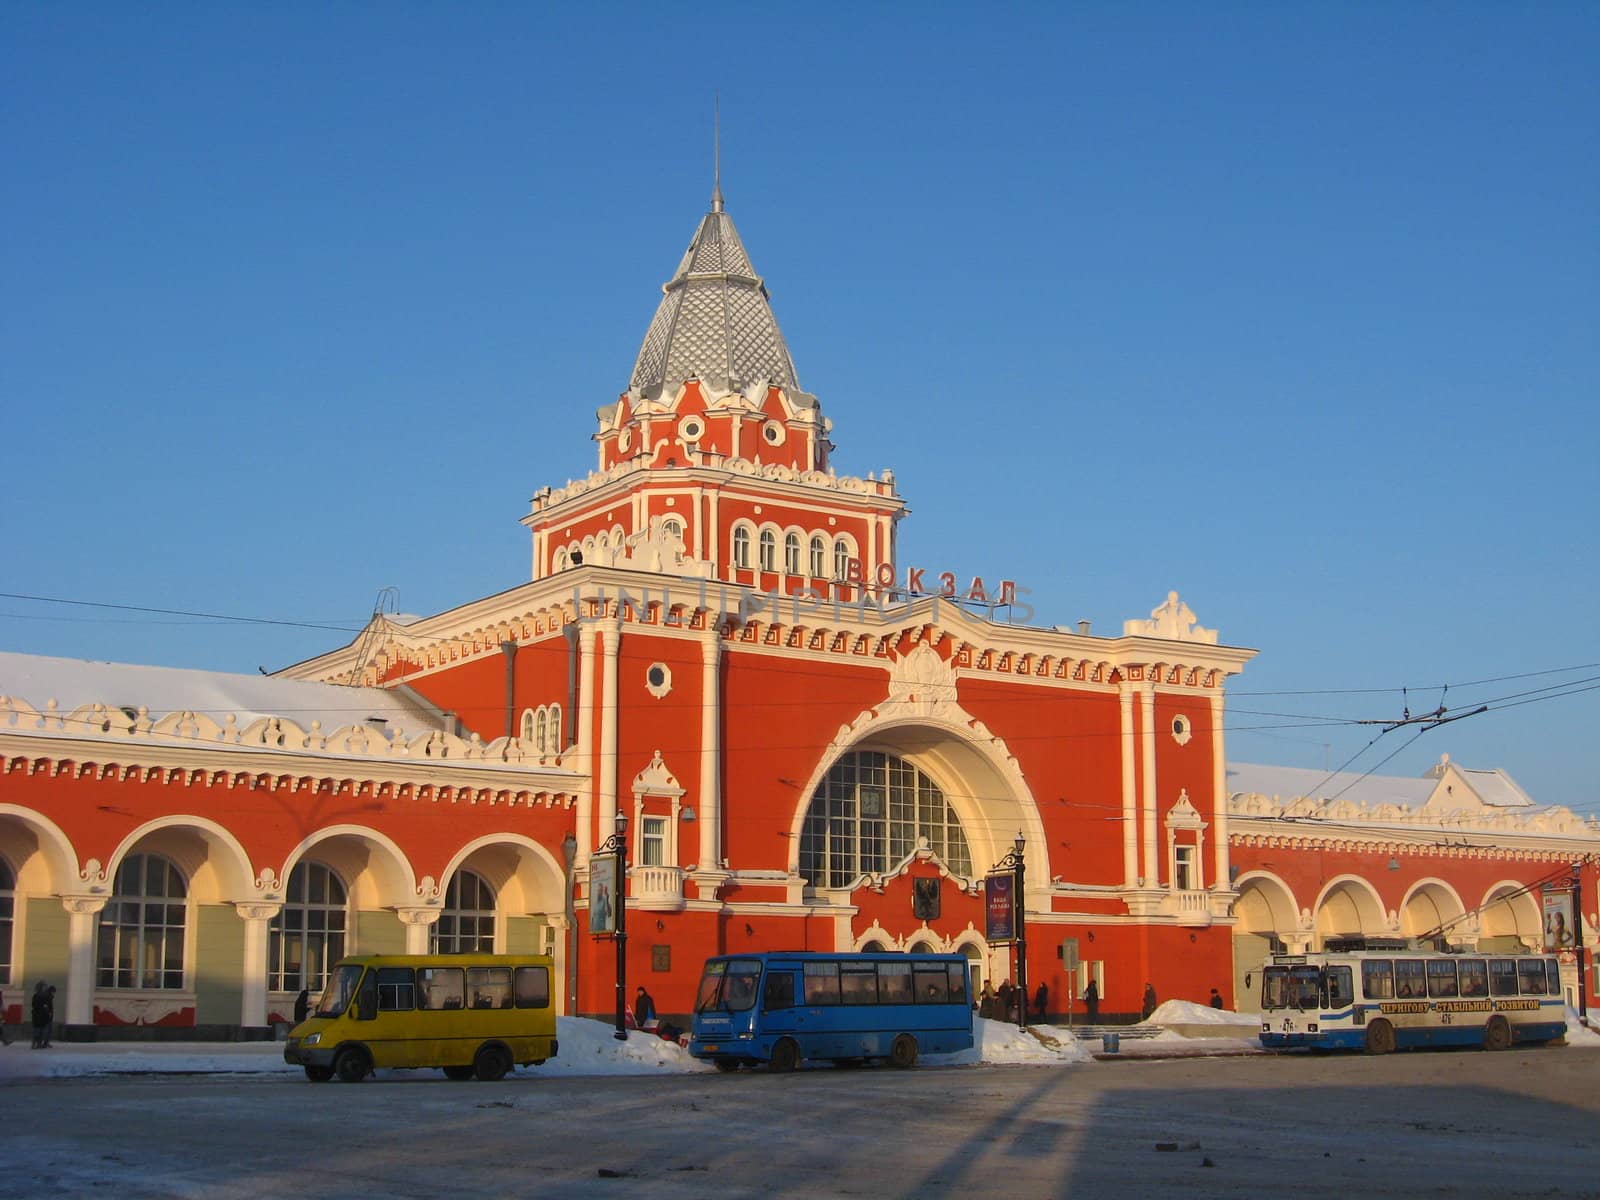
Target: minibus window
(489, 987)
(397, 989)
(440, 987)
(533, 987)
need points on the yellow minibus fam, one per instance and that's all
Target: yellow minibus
(473, 1015)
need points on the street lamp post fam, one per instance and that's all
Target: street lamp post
(1013, 862)
(569, 855)
(617, 844)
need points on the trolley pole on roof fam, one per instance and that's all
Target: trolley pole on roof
(1577, 937)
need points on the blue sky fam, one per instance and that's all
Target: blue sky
(1290, 308)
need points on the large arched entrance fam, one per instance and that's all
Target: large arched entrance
(1509, 919)
(1348, 908)
(1266, 917)
(1433, 912)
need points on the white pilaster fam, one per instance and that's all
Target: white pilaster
(1130, 812)
(82, 917)
(610, 637)
(1219, 791)
(585, 808)
(257, 917)
(1147, 744)
(710, 751)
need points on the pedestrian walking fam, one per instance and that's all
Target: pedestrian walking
(644, 1010)
(43, 1013)
(1216, 998)
(1149, 1001)
(1041, 1000)
(1091, 1001)
(302, 1005)
(5, 1038)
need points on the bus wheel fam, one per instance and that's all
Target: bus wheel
(458, 1073)
(785, 1056)
(319, 1074)
(352, 1065)
(726, 1065)
(1380, 1038)
(492, 1063)
(1497, 1034)
(904, 1051)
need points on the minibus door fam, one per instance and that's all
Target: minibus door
(780, 1011)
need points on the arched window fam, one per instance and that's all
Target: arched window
(8, 904)
(867, 815)
(552, 744)
(741, 548)
(466, 925)
(791, 553)
(672, 528)
(841, 559)
(142, 927)
(528, 726)
(307, 936)
(559, 563)
(539, 730)
(819, 556)
(769, 550)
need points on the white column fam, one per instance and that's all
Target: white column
(83, 914)
(585, 808)
(606, 766)
(1147, 743)
(1219, 788)
(1130, 812)
(257, 917)
(710, 751)
(417, 920)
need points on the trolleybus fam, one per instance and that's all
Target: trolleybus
(779, 1008)
(1380, 1000)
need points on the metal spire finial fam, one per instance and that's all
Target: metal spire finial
(716, 153)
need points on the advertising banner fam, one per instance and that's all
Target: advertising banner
(1558, 924)
(602, 893)
(999, 908)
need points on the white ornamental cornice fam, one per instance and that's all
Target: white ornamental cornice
(713, 470)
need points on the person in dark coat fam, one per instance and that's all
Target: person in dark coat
(44, 1012)
(302, 1005)
(5, 1038)
(1003, 995)
(644, 1009)
(1216, 998)
(1091, 1001)
(1041, 1000)
(1149, 1001)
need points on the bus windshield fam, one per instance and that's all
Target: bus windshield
(340, 991)
(1290, 987)
(728, 986)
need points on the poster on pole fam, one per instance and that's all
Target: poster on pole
(1558, 923)
(999, 908)
(602, 893)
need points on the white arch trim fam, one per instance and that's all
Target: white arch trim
(870, 731)
(1268, 881)
(239, 881)
(366, 834)
(1430, 884)
(59, 855)
(519, 840)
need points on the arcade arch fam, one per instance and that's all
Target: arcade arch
(1433, 909)
(1508, 919)
(1349, 906)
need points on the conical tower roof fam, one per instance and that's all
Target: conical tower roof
(715, 320)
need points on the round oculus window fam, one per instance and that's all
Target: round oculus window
(774, 433)
(691, 429)
(1181, 730)
(658, 679)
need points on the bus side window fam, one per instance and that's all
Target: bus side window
(1377, 979)
(1340, 991)
(1410, 979)
(396, 989)
(367, 997)
(1474, 977)
(779, 991)
(1552, 976)
(533, 987)
(440, 987)
(1530, 975)
(1502, 977)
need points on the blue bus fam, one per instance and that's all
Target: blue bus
(781, 1007)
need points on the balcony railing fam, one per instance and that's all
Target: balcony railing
(656, 888)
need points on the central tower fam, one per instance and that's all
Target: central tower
(714, 463)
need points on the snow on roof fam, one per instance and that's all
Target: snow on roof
(1288, 783)
(1496, 789)
(73, 683)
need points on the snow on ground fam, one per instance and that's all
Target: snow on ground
(589, 1048)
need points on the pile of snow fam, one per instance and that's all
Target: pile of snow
(1185, 1012)
(591, 1048)
(1584, 1037)
(1003, 1042)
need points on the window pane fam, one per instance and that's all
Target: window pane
(489, 987)
(822, 983)
(397, 989)
(894, 982)
(533, 987)
(440, 987)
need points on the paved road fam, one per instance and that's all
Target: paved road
(1518, 1124)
